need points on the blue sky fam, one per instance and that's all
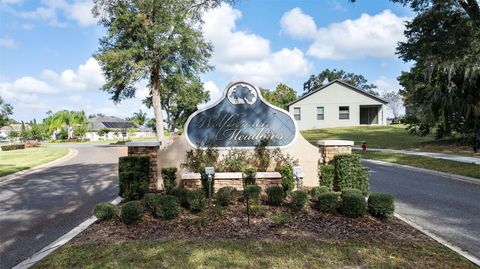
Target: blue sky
(46, 49)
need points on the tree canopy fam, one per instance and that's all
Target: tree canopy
(139, 118)
(328, 75)
(157, 41)
(281, 96)
(6, 110)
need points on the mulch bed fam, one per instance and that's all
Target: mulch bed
(231, 223)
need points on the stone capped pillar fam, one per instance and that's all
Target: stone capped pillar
(149, 149)
(329, 148)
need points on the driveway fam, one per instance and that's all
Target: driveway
(445, 207)
(37, 208)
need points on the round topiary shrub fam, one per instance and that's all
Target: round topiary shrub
(275, 195)
(196, 200)
(168, 207)
(253, 193)
(131, 212)
(299, 200)
(151, 202)
(351, 190)
(353, 205)
(380, 205)
(181, 194)
(316, 191)
(327, 202)
(105, 211)
(226, 196)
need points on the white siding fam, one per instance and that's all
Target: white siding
(331, 98)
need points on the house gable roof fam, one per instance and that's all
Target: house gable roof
(99, 122)
(348, 86)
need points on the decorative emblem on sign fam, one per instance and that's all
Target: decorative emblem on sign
(240, 119)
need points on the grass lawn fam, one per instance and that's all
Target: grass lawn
(18, 160)
(391, 137)
(453, 167)
(295, 253)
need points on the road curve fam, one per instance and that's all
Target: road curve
(37, 208)
(445, 207)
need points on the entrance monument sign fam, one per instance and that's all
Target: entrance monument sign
(240, 119)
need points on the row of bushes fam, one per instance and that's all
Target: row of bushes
(13, 147)
(345, 172)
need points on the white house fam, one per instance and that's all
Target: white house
(338, 104)
(118, 128)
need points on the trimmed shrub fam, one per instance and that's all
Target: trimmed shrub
(105, 211)
(275, 195)
(150, 202)
(288, 181)
(380, 205)
(226, 196)
(169, 176)
(299, 200)
(316, 191)
(182, 195)
(326, 175)
(347, 191)
(353, 205)
(168, 207)
(196, 200)
(131, 212)
(327, 202)
(349, 173)
(249, 176)
(253, 193)
(12, 147)
(133, 177)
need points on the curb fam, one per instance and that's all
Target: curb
(440, 240)
(60, 241)
(464, 179)
(72, 153)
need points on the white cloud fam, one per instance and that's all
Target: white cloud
(246, 55)
(297, 24)
(387, 84)
(213, 89)
(27, 85)
(8, 43)
(81, 11)
(367, 36)
(88, 76)
(11, 1)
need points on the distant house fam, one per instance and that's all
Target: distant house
(118, 128)
(15, 127)
(338, 104)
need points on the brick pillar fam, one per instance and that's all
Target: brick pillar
(149, 149)
(329, 148)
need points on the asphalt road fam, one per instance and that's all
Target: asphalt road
(38, 208)
(446, 207)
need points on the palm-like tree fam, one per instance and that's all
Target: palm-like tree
(139, 118)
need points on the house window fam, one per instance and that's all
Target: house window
(320, 113)
(344, 112)
(296, 113)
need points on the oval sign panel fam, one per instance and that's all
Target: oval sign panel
(240, 119)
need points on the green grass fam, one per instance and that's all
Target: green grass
(453, 167)
(390, 137)
(296, 253)
(18, 160)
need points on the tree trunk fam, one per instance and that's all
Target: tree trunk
(157, 105)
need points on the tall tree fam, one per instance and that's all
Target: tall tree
(139, 118)
(328, 75)
(154, 41)
(6, 110)
(281, 96)
(394, 100)
(64, 119)
(443, 42)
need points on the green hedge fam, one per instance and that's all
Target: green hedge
(275, 195)
(168, 207)
(196, 200)
(105, 211)
(353, 205)
(131, 212)
(12, 147)
(316, 191)
(326, 175)
(169, 176)
(288, 180)
(182, 195)
(133, 177)
(380, 205)
(349, 173)
(299, 200)
(226, 196)
(253, 193)
(327, 202)
(249, 176)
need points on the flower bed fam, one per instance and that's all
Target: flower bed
(193, 181)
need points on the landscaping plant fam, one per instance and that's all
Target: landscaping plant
(380, 205)
(105, 211)
(353, 205)
(350, 191)
(317, 190)
(131, 212)
(226, 196)
(169, 176)
(235, 161)
(168, 207)
(151, 202)
(253, 193)
(288, 181)
(196, 200)
(349, 173)
(299, 200)
(262, 155)
(327, 202)
(182, 195)
(133, 177)
(326, 175)
(249, 176)
(275, 195)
